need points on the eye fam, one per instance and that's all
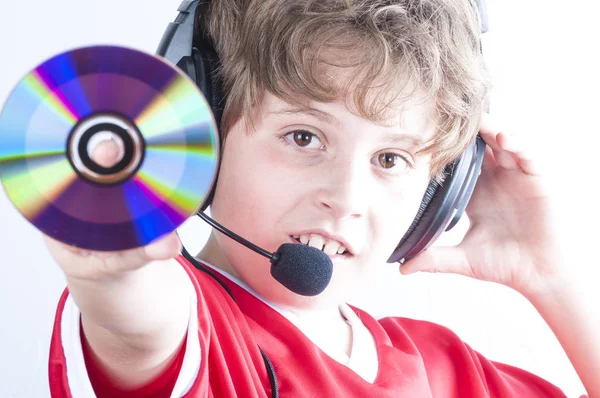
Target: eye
(388, 160)
(304, 139)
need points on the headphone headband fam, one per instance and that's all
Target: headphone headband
(177, 41)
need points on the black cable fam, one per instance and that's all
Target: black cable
(271, 372)
(268, 364)
(204, 269)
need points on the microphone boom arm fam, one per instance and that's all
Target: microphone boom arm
(273, 257)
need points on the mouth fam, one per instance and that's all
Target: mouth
(332, 248)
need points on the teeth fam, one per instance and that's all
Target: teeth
(331, 247)
(316, 241)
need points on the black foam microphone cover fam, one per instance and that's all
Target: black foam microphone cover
(302, 269)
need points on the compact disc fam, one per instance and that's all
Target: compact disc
(160, 121)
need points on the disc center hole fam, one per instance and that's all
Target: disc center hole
(106, 149)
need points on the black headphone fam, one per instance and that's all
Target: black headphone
(441, 206)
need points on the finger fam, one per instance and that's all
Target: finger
(503, 158)
(488, 160)
(106, 151)
(488, 124)
(445, 259)
(522, 152)
(162, 249)
(530, 167)
(489, 130)
(165, 248)
(110, 262)
(56, 246)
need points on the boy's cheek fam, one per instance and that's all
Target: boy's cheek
(395, 222)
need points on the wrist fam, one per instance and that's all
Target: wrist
(551, 275)
(550, 290)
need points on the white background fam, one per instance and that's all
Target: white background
(543, 56)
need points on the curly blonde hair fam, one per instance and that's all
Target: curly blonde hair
(383, 52)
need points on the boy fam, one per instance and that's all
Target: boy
(338, 114)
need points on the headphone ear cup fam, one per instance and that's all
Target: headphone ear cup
(415, 232)
(206, 64)
(187, 66)
(442, 204)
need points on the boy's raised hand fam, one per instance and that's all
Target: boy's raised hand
(514, 236)
(86, 264)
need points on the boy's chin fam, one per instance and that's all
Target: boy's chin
(279, 295)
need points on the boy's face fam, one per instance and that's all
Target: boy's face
(321, 172)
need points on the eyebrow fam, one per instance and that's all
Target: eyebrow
(399, 138)
(320, 115)
(325, 117)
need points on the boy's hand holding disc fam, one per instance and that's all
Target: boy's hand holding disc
(87, 264)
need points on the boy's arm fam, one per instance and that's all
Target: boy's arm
(134, 321)
(134, 304)
(518, 237)
(134, 310)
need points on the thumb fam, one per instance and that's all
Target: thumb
(164, 248)
(106, 152)
(446, 259)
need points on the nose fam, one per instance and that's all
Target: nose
(344, 190)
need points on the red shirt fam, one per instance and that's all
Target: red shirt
(416, 358)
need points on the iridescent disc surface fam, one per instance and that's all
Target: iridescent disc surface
(60, 99)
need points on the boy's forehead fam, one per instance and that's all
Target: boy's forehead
(414, 114)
